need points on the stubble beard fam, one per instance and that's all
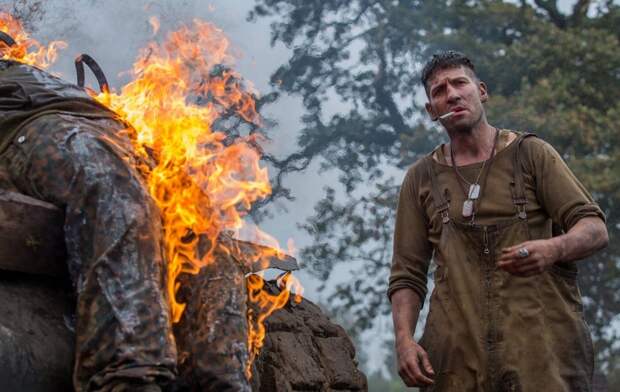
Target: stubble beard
(466, 128)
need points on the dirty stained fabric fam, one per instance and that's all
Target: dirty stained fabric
(488, 330)
(68, 150)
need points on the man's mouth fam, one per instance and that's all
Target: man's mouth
(445, 115)
(453, 112)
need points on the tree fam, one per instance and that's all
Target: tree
(547, 71)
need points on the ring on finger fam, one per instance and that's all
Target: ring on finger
(523, 253)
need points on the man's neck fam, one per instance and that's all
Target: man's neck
(471, 146)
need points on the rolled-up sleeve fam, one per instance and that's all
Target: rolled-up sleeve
(412, 250)
(564, 198)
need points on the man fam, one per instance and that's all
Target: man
(505, 313)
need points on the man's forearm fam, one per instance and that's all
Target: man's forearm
(405, 311)
(586, 237)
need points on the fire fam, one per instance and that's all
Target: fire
(203, 183)
(262, 305)
(26, 50)
(199, 183)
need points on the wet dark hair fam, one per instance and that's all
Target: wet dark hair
(444, 60)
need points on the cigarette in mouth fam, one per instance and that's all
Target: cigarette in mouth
(446, 115)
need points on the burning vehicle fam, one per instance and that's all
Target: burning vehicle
(125, 209)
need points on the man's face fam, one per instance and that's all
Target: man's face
(456, 89)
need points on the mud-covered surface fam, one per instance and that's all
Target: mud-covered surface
(36, 343)
(212, 333)
(305, 351)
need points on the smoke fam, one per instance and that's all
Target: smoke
(111, 31)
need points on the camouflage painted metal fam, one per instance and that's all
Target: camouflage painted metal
(61, 147)
(113, 240)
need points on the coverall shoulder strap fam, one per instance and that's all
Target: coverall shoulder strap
(439, 200)
(518, 184)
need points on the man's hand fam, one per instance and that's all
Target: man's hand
(587, 236)
(413, 365)
(541, 254)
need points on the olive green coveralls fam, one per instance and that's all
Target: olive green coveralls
(488, 330)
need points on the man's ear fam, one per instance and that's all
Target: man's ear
(430, 111)
(484, 93)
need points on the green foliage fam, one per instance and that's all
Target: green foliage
(552, 73)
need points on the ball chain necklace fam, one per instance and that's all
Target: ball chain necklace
(474, 188)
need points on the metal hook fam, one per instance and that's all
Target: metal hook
(97, 71)
(7, 39)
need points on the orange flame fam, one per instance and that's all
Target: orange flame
(203, 185)
(263, 305)
(26, 50)
(198, 182)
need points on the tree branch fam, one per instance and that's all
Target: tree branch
(384, 98)
(580, 11)
(551, 7)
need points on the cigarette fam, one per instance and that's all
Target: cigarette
(446, 115)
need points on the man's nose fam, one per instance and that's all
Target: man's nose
(452, 94)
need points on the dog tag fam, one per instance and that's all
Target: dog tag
(474, 191)
(468, 208)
